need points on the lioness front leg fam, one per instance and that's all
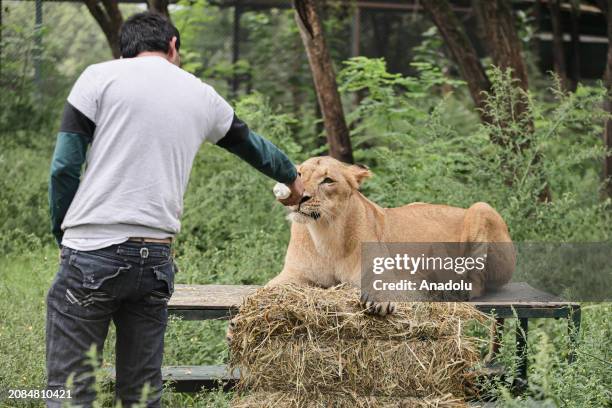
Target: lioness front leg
(289, 277)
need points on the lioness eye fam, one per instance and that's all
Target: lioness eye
(327, 180)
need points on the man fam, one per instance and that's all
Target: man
(143, 120)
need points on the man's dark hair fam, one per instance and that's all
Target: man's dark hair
(148, 31)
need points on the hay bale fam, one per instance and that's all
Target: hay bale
(413, 368)
(290, 312)
(309, 341)
(290, 400)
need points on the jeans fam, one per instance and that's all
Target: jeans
(129, 283)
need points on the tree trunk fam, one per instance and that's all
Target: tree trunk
(109, 19)
(159, 6)
(506, 50)
(557, 44)
(462, 51)
(324, 78)
(607, 136)
(504, 44)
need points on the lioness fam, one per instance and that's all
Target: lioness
(334, 218)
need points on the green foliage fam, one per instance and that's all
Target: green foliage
(553, 381)
(69, 41)
(431, 49)
(392, 105)
(23, 193)
(425, 151)
(266, 39)
(204, 32)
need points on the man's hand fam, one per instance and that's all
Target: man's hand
(297, 190)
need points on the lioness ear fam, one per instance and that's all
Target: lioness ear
(360, 172)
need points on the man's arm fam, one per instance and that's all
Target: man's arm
(259, 152)
(76, 132)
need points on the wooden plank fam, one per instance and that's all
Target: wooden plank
(196, 378)
(209, 296)
(526, 311)
(203, 314)
(516, 292)
(556, 312)
(197, 302)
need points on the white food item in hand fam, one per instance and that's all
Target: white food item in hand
(281, 191)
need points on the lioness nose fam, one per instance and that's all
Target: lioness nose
(305, 198)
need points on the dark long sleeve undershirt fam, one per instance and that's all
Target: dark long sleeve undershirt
(76, 132)
(259, 152)
(68, 158)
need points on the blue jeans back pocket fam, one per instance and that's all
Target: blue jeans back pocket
(96, 270)
(165, 273)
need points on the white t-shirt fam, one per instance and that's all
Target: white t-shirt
(151, 118)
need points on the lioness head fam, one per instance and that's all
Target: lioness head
(328, 183)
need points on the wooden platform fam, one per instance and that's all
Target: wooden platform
(515, 300)
(201, 302)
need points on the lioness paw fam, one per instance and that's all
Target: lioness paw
(376, 308)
